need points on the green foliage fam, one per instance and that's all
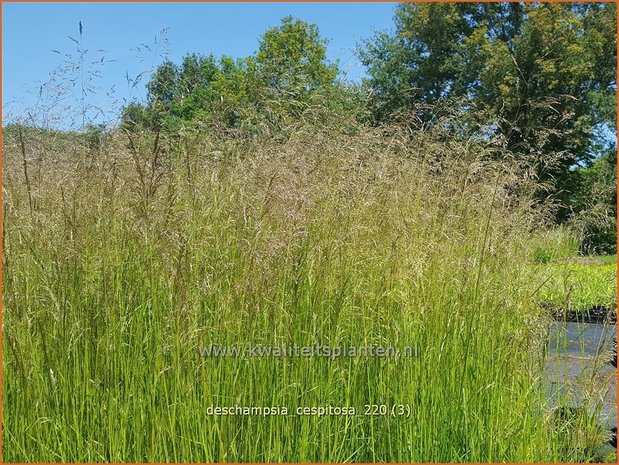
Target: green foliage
(566, 281)
(254, 203)
(578, 287)
(541, 75)
(594, 204)
(432, 55)
(291, 60)
(127, 266)
(164, 86)
(554, 245)
(278, 83)
(94, 136)
(136, 116)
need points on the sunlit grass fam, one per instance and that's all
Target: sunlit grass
(112, 285)
(579, 287)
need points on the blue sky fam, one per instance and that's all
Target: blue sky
(30, 31)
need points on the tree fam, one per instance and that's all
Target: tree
(163, 87)
(541, 75)
(429, 58)
(274, 84)
(594, 204)
(291, 58)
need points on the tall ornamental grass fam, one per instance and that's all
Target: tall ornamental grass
(124, 261)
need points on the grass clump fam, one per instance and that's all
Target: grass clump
(136, 256)
(579, 287)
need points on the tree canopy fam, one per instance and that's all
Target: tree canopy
(543, 76)
(289, 65)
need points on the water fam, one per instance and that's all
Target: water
(577, 367)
